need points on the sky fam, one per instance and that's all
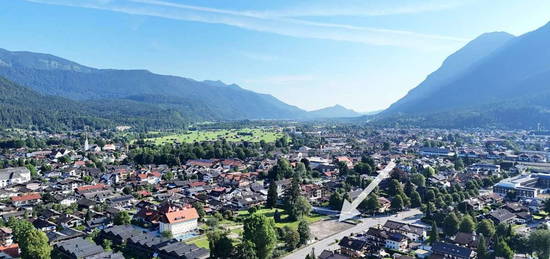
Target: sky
(362, 54)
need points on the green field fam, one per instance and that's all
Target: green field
(236, 227)
(248, 135)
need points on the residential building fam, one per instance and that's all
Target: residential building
(14, 175)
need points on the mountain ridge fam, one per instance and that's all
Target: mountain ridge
(53, 75)
(510, 76)
(335, 111)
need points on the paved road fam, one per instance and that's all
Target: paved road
(411, 216)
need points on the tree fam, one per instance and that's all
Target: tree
(281, 170)
(200, 209)
(419, 180)
(482, 252)
(503, 250)
(122, 218)
(303, 230)
(107, 244)
(450, 224)
(539, 241)
(272, 195)
(372, 204)
(32, 169)
(395, 188)
(220, 244)
(459, 164)
(87, 179)
(335, 200)
(429, 172)
(397, 203)
(292, 238)
(301, 170)
(168, 176)
(416, 201)
(296, 205)
(434, 233)
(504, 231)
(246, 250)
(487, 228)
(301, 208)
(33, 242)
(362, 168)
(430, 195)
(467, 224)
(260, 231)
(36, 245)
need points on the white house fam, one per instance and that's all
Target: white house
(14, 175)
(179, 221)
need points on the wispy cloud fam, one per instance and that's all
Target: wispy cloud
(360, 8)
(276, 24)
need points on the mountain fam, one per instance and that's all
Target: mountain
(336, 111)
(204, 100)
(495, 80)
(21, 107)
(453, 66)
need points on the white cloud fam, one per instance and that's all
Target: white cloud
(279, 25)
(360, 8)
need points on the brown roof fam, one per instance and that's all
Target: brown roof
(181, 215)
(27, 197)
(90, 187)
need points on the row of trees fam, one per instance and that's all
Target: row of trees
(175, 155)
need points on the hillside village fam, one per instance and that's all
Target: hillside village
(473, 194)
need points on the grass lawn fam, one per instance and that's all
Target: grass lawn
(200, 241)
(235, 135)
(270, 212)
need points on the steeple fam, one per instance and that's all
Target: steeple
(86, 143)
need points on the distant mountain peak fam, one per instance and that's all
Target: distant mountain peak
(452, 67)
(495, 78)
(335, 111)
(219, 83)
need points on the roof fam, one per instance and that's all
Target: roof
(332, 255)
(5, 230)
(171, 247)
(502, 215)
(352, 243)
(91, 187)
(451, 249)
(180, 215)
(27, 197)
(400, 226)
(12, 250)
(79, 247)
(467, 239)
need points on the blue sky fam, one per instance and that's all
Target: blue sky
(363, 54)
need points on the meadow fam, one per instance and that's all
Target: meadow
(231, 135)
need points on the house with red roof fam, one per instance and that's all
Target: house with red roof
(91, 188)
(26, 199)
(179, 221)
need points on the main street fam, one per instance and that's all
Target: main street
(410, 216)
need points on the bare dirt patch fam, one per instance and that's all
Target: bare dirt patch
(325, 228)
